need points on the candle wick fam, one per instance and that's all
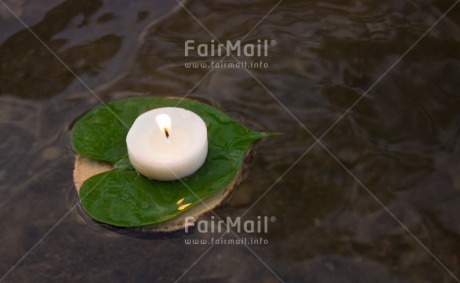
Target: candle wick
(166, 133)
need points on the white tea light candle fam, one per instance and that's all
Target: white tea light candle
(167, 143)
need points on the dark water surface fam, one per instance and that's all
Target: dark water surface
(401, 141)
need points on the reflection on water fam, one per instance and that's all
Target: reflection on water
(401, 140)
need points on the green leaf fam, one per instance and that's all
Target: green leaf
(124, 198)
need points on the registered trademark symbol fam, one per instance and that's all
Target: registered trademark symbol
(273, 43)
(273, 219)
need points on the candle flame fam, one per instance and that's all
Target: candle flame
(164, 122)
